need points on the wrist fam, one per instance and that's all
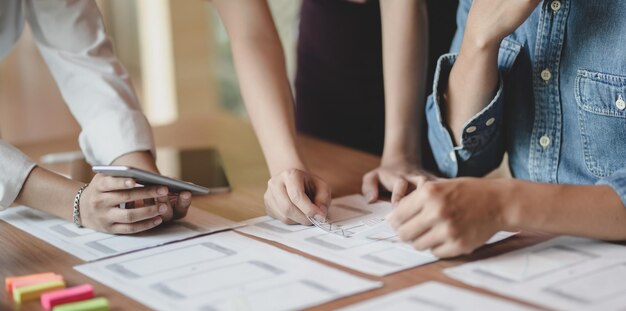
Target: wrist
(481, 42)
(404, 158)
(280, 166)
(76, 215)
(510, 196)
(139, 159)
(402, 150)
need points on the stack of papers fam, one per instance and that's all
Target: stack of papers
(224, 271)
(566, 273)
(88, 244)
(372, 246)
(435, 296)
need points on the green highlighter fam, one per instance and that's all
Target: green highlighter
(95, 304)
(33, 292)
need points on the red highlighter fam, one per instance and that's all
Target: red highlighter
(73, 294)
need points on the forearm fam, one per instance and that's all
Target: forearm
(588, 210)
(472, 84)
(262, 74)
(140, 159)
(49, 192)
(54, 194)
(474, 77)
(269, 102)
(405, 51)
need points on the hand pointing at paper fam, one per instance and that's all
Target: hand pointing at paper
(294, 194)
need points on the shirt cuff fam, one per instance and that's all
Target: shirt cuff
(14, 170)
(480, 130)
(617, 181)
(478, 133)
(116, 134)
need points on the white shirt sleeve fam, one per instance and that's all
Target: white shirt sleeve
(72, 39)
(14, 168)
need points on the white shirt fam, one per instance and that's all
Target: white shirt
(71, 37)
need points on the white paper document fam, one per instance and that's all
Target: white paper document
(372, 246)
(224, 271)
(435, 296)
(88, 244)
(566, 273)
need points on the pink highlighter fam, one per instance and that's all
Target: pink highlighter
(73, 294)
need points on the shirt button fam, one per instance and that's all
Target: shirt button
(620, 104)
(555, 5)
(546, 75)
(470, 129)
(544, 141)
(490, 122)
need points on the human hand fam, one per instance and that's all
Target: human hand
(398, 177)
(452, 217)
(99, 206)
(295, 194)
(177, 205)
(490, 21)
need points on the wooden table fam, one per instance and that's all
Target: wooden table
(342, 168)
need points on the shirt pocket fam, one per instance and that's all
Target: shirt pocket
(601, 100)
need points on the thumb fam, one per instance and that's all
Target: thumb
(323, 196)
(370, 186)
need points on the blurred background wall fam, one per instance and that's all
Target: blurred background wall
(177, 53)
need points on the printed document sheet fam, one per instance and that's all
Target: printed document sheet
(435, 296)
(566, 273)
(372, 246)
(88, 244)
(224, 271)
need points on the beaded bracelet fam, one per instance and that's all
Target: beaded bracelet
(76, 213)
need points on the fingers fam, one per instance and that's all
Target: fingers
(117, 197)
(295, 186)
(450, 249)
(416, 226)
(287, 209)
(129, 216)
(181, 205)
(408, 208)
(399, 191)
(294, 196)
(277, 211)
(370, 186)
(419, 180)
(431, 239)
(136, 227)
(148, 202)
(168, 212)
(323, 196)
(107, 183)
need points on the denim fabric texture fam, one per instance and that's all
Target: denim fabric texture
(560, 109)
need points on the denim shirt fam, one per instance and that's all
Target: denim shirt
(560, 109)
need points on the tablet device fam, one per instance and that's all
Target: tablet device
(197, 170)
(150, 179)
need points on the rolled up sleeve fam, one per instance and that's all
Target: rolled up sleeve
(617, 181)
(72, 40)
(481, 147)
(14, 169)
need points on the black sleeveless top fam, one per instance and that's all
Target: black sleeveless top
(339, 79)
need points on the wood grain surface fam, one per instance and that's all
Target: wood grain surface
(342, 168)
